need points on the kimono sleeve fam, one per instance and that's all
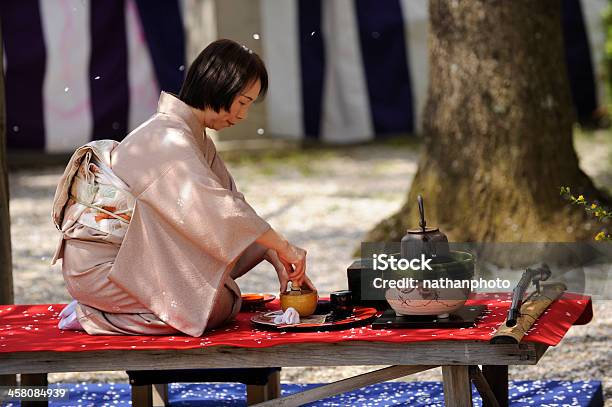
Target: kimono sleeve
(186, 233)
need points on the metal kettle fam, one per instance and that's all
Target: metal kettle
(426, 240)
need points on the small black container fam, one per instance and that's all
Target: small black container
(341, 303)
(323, 307)
(355, 273)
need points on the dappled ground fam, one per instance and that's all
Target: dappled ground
(324, 201)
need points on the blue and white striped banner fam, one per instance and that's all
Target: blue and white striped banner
(345, 71)
(79, 70)
(341, 71)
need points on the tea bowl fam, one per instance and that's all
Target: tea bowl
(304, 301)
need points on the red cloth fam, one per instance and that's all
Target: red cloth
(34, 328)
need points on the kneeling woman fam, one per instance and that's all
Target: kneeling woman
(154, 230)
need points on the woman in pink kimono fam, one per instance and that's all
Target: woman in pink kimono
(154, 230)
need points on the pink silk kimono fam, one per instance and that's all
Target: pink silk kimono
(149, 248)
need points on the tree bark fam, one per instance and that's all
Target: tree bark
(6, 274)
(498, 128)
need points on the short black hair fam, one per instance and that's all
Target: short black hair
(221, 71)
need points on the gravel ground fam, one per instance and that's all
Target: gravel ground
(323, 201)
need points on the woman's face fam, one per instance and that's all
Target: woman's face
(238, 111)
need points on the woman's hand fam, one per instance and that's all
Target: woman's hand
(285, 271)
(289, 259)
(294, 260)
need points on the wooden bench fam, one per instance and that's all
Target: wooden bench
(35, 348)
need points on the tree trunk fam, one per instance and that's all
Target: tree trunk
(498, 128)
(6, 275)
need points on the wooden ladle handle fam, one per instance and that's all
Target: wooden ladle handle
(295, 287)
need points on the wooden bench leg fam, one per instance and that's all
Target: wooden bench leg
(483, 387)
(260, 393)
(457, 386)
(497, 377)
(274, 386)
(142, 396)
(256, 393)
(148, 395)
(38, 379)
